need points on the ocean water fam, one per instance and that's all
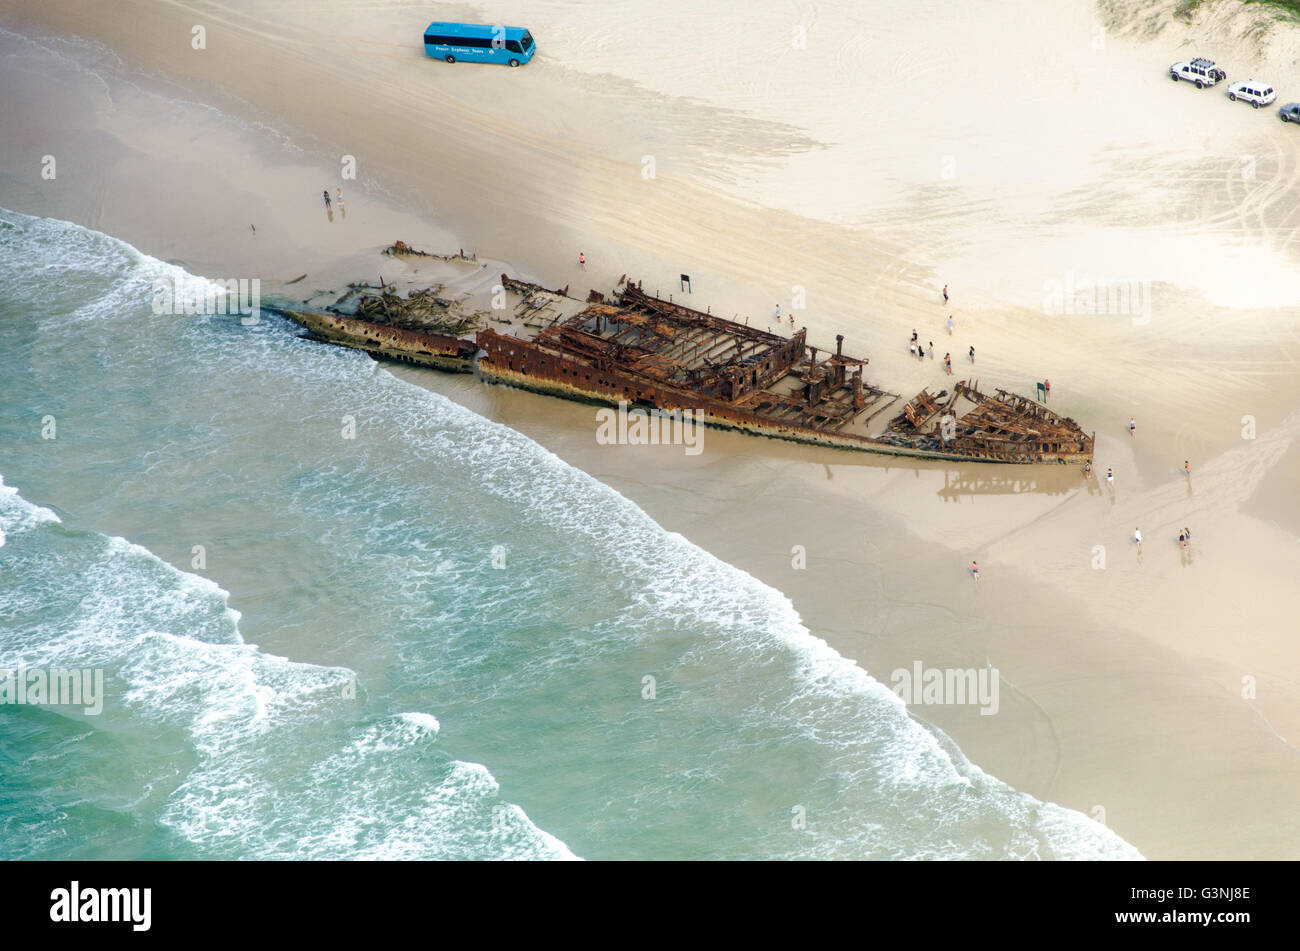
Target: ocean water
(433, 639)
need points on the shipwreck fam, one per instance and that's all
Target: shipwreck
(637, 348)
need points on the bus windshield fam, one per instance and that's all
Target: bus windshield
(527, 42)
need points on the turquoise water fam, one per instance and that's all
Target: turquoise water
(428, 641)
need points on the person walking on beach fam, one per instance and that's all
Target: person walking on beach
(975, 570)
(1187, 533)
(911, 347)
(920, 351)
(582, 260)
(1087, 468)
(778, 315)
(1132, 426)
(1187, 467)
(950, 325)
(947, 363)
(945, 293)
(327, 197)
(1047, 390)
(1182, 539)
(915, 338)
(931, 349)
(1110, 477)
(972, 354)
(1137, 537)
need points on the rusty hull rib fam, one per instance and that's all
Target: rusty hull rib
(1001, 428)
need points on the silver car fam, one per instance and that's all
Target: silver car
(1290, 112)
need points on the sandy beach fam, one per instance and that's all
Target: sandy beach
(1158, 691)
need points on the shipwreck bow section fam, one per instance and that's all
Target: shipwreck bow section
(643, 350)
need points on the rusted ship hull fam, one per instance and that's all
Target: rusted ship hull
(520, 363)
(441, 351)
(639, 349)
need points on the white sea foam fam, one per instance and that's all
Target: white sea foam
(19, 515)
(245, 710)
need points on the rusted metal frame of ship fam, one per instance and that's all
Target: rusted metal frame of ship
(644, 350)
(1001, 428)
(648, 351)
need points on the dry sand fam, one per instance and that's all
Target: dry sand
(998, 149)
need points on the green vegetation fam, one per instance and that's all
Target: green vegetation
(1291, 8)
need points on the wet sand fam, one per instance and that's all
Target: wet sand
(1122, 684)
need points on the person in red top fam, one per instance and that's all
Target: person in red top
(1047, 389)
(582, 260)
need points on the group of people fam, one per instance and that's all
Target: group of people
(917, 350)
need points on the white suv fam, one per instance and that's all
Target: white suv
(1256, 93)
(1203, 72)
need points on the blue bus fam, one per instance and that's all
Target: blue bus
(512, 45)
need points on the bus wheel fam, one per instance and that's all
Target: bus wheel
(514, 62)
(449, 58)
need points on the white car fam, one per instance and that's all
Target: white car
(1201, 71)
(1256, 93)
